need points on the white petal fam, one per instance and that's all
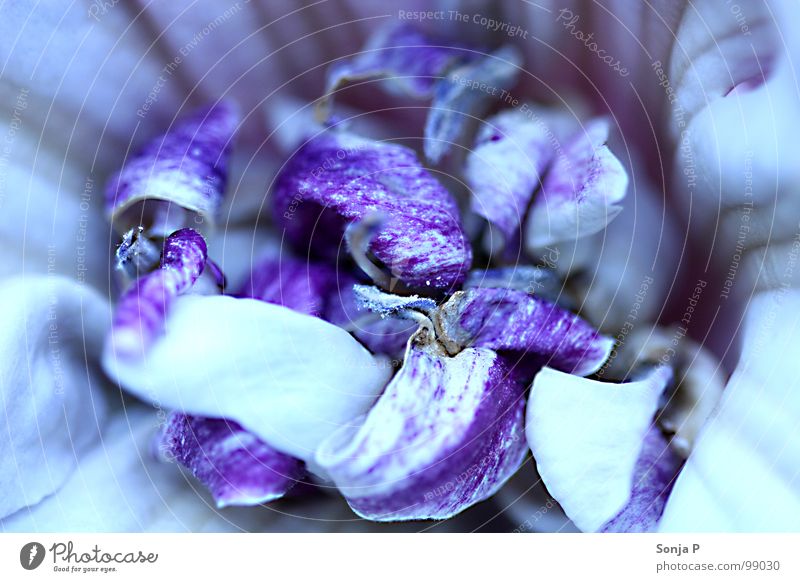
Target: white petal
(743, 474)
(292, 379)
(51, 340)
(586, 437)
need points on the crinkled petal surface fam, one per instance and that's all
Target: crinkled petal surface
(446, 434)
(529, 330)
(653, 478)
(463, 95)
(186, 167)
(337, 179)
(50, 383)
(581, 192)
(291, 379)
(587, 436)
(237, 467)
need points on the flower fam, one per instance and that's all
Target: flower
(468, 251)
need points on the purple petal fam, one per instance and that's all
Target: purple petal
(300, 285)
(581, 191)
(446, 434)
(186, 167)
(463, 95)
(539, 281)
(236, 466)
(410, 62)
(511, 153)
(530, 331)
(653, 477)
(142, 310)
(338, 179)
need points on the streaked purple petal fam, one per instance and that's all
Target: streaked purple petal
(186, 168)
(303, 286)
(531, 331)
(445, 435)
(653, 477)
(508, 161)
(463, 95)
(586, 437)
(581, 192)
(236, 466)
(410, 62)
(533, 280)
(142, 310)
(339, 179)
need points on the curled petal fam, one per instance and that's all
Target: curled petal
(581, 193)
(142, 310)
(410, 62)
(587, 436)
(49, 387)
(289, 378)
(375, 300)
(524, 328)
(507, 163)
(653, 477)
(338, 179)
(446, 434)
(185, 168)
(463, 95)
(236, 466)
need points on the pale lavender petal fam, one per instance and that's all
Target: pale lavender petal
(581, 193)
(339, 179)
(653, 477)
(375, 300)
(186, 168)
(141, 313)
(464, 94)
(236, 466)
(530, 331)
(508, 161)
(445, 435)
(409, 61)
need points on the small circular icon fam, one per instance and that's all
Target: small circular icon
(31, 555)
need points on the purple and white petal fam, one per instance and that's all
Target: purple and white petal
(339, 179)
(289, 378)
(464, 94)
(50, 387)
(586, 437)
(142, 310)
(186, 169)
(533, 280)
(581, 192)
(446, 434)
(530, 331)
(508, 161)
(653, 477)
(236, 466)
(410, 62)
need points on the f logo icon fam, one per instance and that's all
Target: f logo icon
(31, 555)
